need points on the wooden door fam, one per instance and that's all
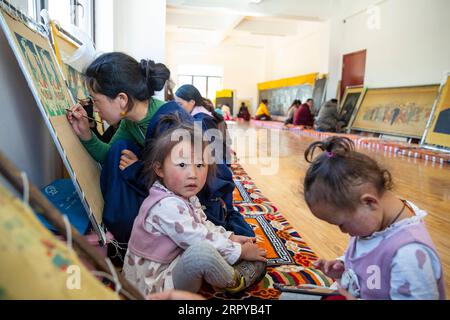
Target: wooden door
(353, 70)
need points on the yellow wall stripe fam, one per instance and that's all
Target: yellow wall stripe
(288, 82)
(224, 94)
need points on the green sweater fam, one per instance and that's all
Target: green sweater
(128, 130)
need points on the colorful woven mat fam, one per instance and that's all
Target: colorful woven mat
(289, 257)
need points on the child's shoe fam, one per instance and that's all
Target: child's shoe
(248, 273)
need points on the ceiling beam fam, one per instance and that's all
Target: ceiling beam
(248, 13)
(223, 34)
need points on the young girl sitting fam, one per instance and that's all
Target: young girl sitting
(173, 245)
(390, 255)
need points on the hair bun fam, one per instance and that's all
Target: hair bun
(146, 67)
(156, 74)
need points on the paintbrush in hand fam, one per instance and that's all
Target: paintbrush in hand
(69, 110)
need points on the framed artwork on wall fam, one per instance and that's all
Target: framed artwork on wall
(438, 130)
(350, 103)
(400, 111)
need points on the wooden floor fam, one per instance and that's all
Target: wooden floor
(424, 183)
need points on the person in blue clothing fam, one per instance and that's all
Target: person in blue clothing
(122, 89)
(217, 195)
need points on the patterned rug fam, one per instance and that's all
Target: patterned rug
(289, 257)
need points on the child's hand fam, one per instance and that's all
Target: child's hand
(333, 269)
(251, 252)
(345, 293)
(127, 159)
(242, 239)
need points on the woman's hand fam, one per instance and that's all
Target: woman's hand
(79, 123)
(127, 159)
(333, 269)
(242, 239)
(251, 252)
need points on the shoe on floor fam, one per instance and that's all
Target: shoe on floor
(249, 273)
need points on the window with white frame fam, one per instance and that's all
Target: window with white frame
(25, 6)
(73, 12)
(207, 85)
(67, 12)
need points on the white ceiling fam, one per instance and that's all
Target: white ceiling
(214, 21)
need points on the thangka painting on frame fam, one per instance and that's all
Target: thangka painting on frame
(350, 102)
(66, 47)
(396, 111)
(438, 133)
(46, 82)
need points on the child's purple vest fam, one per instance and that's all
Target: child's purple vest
(158, 248)
(381, 259)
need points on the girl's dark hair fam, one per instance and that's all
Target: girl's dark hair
(116, 72)
(188, 92)
(335, 175)
(157, 149)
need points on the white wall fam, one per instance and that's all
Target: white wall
(410, 48)
(104, 25)
(135, 27)
(24, 137)
(243, 65)
(139, 28)
(304, 54)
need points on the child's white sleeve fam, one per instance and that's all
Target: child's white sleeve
(219, 229)
(414, 274)
(171, 217)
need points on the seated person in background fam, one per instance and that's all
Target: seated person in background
(291, 112)
(303, 115)
(328, 117)
(243, 112)
(263, 111)
(226, 112)
(218, 110)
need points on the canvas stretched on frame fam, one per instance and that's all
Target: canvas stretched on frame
(350, 103)
(319, 90)
(396, 111)
(438, 132)
(43, 74)
(77, 87)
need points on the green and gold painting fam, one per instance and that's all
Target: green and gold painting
(55, 81)
(40, 78)
(75, 82)
(46, 82)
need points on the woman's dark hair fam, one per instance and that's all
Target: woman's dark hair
(160, 147)
(188, 92)
(335, 175)
(116, 72)
(296, 102)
